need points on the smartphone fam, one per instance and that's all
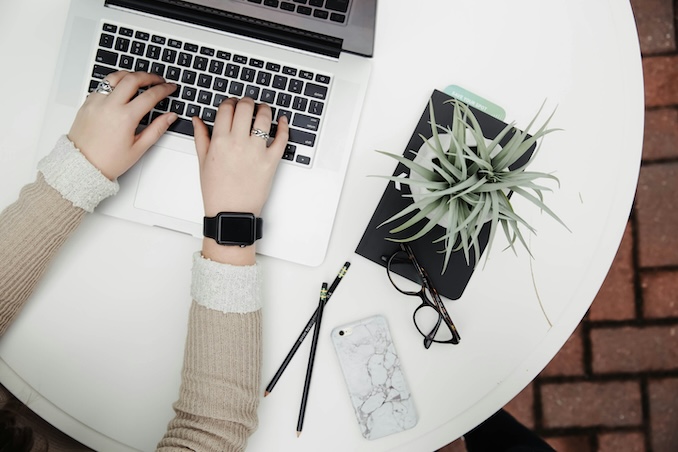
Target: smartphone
(374, 378)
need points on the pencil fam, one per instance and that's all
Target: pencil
(305, 331)
(311, 357)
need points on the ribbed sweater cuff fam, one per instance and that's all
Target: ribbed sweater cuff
(224, 287)
(70, 173)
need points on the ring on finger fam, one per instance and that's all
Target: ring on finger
(104, 87)
(263, 135)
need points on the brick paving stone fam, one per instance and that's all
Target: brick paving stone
(621, 441)
(588, 404)
(616, 298)
(663, 395)
(660, 74)
(657, 214)
(654, 20)
(522, 406)
(634, 349)
(570, 443)
(660, 294)
(660, 140)
(570, 359)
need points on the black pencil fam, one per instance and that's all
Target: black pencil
(311, 357)
(305, 332)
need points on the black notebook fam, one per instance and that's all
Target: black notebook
(374, 244)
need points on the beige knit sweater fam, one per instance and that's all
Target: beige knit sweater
(219, 395)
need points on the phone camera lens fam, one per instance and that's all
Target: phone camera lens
(341, 333)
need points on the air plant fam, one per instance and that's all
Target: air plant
(467, 185)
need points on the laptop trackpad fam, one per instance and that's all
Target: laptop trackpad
(170, 185)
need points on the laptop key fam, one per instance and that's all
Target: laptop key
(173, 73)
(126, 62)
(122, 44)
(306, 122)
(192, 110)
(315, 91)
(188, 93)
(232, 71)
(204, 81)
(142, 65)
(178, 107)
(236, 88)
(126, 32)
(216, 67)
(315, 107)
(321, 14)
(209, 115)
(337, 5)
(252, 92)
(169, 56)
(218, 99)
(247, 74)
(106, 57)
(106, 41)
(220, 84)
(185, 59)
(183, 126)
(305, 10)
(101, 71)
(153, 52)
(205, 97)
(287, 6)
(300, 137)
(267, 96)
(295, 86)
(158, 68)
(200, 63)
(188, 77)
(279, 82)
(336, 17)
(304, 160)
(191, 47)
(110, 28)
(138, 48)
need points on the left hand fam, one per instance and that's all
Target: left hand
(105, 127)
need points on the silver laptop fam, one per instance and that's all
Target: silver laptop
(308, 59)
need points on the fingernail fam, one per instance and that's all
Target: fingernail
(172, 117)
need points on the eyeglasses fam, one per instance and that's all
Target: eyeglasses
(430, 318)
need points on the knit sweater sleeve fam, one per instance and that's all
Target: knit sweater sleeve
(219, 395)
(33, 228)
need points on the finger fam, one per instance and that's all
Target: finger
(128, 86)
(145, 101)
(151, 134)
(202, 138)
(282, 135)
(262, 120)
(242, 119)
(224, 119)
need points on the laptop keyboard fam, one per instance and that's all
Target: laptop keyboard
(207, 75)
(326, 10)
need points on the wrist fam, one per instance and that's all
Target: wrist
(234, 255)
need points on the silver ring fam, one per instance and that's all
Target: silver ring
(260, 133)
(104, 87)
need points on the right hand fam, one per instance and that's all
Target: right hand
(236, 168)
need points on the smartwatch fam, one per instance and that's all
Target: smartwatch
(233, 228)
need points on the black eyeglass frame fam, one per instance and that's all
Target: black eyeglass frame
(436, 303)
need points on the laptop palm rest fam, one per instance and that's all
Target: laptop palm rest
(170, 185)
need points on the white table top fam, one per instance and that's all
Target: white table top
(99, 356)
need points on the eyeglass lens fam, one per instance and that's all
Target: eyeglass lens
(426, 317)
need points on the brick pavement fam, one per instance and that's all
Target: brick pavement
(613, 387)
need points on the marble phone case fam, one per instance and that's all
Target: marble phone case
(379, 393)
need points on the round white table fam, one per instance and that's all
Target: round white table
(98, 349)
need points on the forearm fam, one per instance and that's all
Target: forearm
(219, 396)
(33, 228)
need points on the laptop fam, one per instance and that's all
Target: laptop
(308, 59)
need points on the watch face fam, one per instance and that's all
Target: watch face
(236, 228)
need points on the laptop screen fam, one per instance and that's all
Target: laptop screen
(319, 29)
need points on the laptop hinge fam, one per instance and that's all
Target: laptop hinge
(237, 24)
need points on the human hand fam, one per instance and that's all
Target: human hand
(236, 168)
(105, 127)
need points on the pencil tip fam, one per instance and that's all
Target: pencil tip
(266, 393)
(298, 433)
